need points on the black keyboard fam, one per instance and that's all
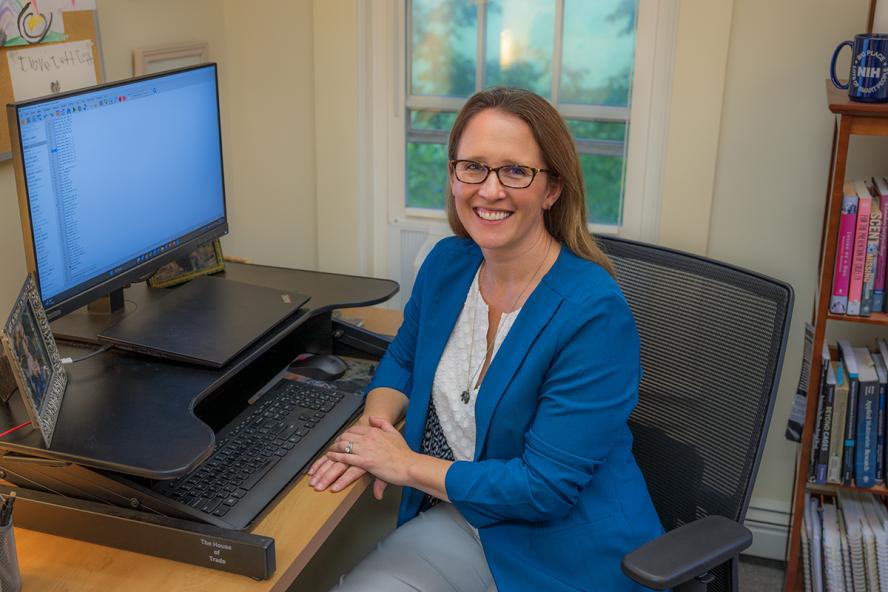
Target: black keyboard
(261, 451)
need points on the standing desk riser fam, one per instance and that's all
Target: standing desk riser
(127, 417)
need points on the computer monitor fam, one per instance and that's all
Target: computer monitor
(116, 180)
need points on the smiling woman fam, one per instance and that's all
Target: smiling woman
(517, 366)
(524, 129)
(500, 216)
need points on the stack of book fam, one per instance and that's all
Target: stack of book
(849, 430)
(862, 249)
(845, 544)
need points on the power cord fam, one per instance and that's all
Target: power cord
(102, 349)
(18, 427)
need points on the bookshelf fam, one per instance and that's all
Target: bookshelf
(852, 119)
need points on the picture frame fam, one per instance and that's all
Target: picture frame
(34, 360)
(148, 60)
(206, 259)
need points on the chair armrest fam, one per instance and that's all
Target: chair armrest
(682, 554)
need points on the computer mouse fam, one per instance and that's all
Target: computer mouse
(319, 366)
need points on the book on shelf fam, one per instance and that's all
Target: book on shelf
(872, 251)
(845, 251)
(833, 436)
(830, 543)
(849, 359)
(866, 429)
(882, 261)
(882, 372)
(813, 529)
(821, 402)
(822, 442)
(858, 259)
(796, 421)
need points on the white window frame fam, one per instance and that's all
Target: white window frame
(382, 80)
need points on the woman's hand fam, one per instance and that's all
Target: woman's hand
(378, 449)
(326, 473)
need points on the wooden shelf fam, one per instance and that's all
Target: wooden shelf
(852, 119)
(840, 104)
(876, 318)
(831, 487)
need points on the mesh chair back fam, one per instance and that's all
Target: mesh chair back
(712, 343)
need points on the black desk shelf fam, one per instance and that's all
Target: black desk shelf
(134, 414)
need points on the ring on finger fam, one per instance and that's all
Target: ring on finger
(349, 446)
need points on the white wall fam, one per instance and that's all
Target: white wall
(698, 82)
(341, 235)
(269, 151)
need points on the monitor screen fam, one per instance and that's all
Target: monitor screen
(118, 180)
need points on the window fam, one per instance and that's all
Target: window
(577, 54)
(606, 64)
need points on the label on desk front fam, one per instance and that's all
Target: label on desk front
(217, 551)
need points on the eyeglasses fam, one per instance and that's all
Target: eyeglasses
(514, 176)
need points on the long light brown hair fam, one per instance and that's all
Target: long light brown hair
(566, 219)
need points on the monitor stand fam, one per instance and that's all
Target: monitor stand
(107, 305)
(84, 324)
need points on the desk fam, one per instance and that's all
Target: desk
(53, 563)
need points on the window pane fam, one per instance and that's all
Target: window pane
(604, 187)
(598, 130)
(426, 175)
(520, 40)
(432, 120)
(598, 51)
(444, 47)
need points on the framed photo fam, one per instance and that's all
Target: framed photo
(149, 60)
(204, 260)
(34, 359)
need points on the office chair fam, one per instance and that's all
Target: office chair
(713, 338)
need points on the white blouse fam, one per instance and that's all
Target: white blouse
(457, 373)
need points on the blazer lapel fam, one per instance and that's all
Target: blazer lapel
(534, 316)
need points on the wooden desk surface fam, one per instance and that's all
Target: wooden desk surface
(299, 523)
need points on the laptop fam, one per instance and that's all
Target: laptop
(207, 321)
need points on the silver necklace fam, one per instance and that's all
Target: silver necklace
(466, 396)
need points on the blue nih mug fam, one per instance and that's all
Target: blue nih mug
(868, 81)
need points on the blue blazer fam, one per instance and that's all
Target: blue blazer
(554, 490)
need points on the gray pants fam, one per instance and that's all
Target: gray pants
(435, 552)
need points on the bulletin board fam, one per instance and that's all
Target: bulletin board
(80, 25)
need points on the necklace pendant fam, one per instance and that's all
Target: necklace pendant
(465, 397)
